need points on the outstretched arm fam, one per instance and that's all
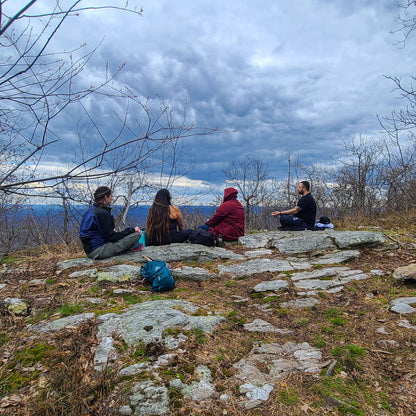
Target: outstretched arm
(291, 211)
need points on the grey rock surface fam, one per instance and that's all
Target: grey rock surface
(278, 360)
(119, 273)
(404, 323)
(68, 264)
(271, 286)
(16, 306)
(58, 324)
(319, 273)
(192, 273)
(326, 285)
(258, 240)
(336, 257)
(255, 266)
(300, 303)
(306, 242)
(147, 398)
(351, 239)
(197, 391)
(259, 325)
(258, 253)
(181, 252)
(309, 241)
(147, 321)
(405, 272)
(92, 273)
(403, 305)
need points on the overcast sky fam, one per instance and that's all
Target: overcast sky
(290, 76)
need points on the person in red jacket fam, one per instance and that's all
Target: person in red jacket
(228, 221)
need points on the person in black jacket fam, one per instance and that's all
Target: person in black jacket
(97, 233)
(302, 216)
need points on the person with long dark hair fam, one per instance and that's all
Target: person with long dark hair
(97, 233)
(164, 224)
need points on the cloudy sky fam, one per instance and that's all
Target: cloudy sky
(287, 76)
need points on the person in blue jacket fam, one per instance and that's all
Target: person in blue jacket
(97, 233)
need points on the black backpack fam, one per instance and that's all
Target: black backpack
(201, 236)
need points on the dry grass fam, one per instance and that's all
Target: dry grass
(53, 374)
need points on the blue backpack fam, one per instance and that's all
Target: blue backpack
(158, 275)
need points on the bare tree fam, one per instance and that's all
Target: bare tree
(407, 18)
(39, 90)
(357, 187)
(249, 176)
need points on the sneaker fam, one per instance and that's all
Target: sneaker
(138, 247)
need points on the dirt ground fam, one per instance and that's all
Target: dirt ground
(53, 374)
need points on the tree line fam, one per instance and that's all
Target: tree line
(41, 88)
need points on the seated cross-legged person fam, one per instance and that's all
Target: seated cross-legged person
(164, 224)
(302, 216)
(97, 233)
(228, 221)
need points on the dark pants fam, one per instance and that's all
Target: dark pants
(181, 236)
(293, 223)
(174, 237)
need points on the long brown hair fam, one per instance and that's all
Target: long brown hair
(157, 223)
(100, 193)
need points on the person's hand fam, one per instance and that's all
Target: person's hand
(275, 213)
(138, 230)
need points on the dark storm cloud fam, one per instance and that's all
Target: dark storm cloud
(288, 76)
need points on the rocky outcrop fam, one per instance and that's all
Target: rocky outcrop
(297, 267)
(311, 241)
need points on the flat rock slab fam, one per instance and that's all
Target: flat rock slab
(405, 272)
(259, 325)
(146, 322)
(271, 286)
(119, 273)
(326, 285)
(336, 257)
(258, 240)
(192, 273)
(58, 324)
(318, 274)
(300, 303)
(68, 264)
(258, 253)
(310, 241)
(276, 360)
(306, 242)
(91, 273)
(181, 252)
(403, 305)
(351, 239)
(255, 266)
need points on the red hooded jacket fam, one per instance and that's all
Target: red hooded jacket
(228, 220)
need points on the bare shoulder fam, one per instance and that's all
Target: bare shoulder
(174, 211)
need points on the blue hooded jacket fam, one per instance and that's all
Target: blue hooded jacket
(97, 229)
